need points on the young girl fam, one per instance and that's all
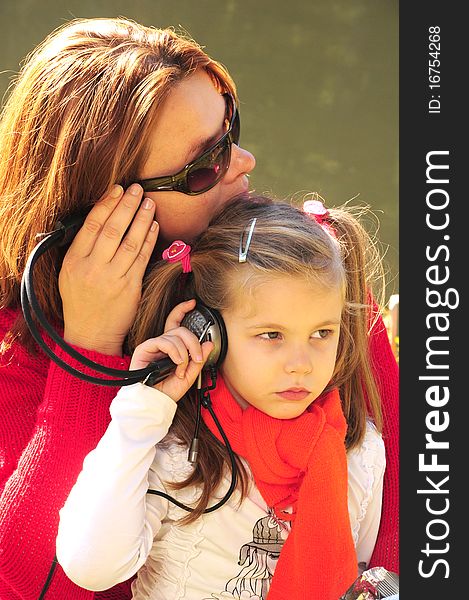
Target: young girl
(295, 396)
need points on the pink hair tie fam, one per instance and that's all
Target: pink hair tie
(317, 210)
(179, 251)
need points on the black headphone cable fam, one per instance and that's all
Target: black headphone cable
(29, 303)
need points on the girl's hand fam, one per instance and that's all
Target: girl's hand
(101, 277)
(182, 347)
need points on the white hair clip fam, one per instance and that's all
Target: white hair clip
(243, 250)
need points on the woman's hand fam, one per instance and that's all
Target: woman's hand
(182, 347)
(101, 277)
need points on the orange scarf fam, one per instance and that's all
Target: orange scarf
(299, 463)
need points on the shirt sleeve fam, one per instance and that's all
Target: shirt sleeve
(366, 466)
(108, 523)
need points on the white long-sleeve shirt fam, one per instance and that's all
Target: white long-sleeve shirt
(110, 527)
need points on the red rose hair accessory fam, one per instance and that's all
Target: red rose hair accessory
(179, 251)
(317, 210)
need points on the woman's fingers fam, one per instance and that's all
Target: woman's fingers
(116, 229)
(100, 280)
(138, 243)
(86, 237)
(114, 234)
(100, 294)
(138, 268)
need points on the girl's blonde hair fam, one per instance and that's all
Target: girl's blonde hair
(78, 120)
(285, 241)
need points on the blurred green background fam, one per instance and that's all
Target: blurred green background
(317, 81)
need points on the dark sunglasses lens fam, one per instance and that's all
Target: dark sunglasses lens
(235, 130)
(208, 172)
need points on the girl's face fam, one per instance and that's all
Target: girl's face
(282, 345)
(190, 120)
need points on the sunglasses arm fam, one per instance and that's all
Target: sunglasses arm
(161, 184)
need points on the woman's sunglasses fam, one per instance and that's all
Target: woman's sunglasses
(204, 172)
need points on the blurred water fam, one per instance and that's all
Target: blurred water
(317, 80)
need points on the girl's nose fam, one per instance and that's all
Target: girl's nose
(298, 362)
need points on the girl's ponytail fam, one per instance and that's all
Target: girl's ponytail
(364, 293)
(165, 286)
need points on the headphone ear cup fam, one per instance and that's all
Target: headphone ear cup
(204, 319)
(219, 336)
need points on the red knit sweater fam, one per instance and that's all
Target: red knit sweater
(386, 552)
(50, 420)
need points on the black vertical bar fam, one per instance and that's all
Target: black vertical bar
(433, 265)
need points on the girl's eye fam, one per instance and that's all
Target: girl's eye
(270, 335)
(322, 333)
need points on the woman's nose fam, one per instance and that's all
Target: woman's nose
(242, 161)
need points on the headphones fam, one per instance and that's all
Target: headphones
(206, 323)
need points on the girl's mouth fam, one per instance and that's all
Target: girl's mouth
(294, 394)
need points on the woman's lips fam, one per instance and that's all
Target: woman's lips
(294, 394)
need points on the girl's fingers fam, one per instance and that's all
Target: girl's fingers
(194, 351)
(182, 347)
(191, 342)
(157, 348)
(86, 237)
(188, 347)
(178, 313)
(198, 354)
(179, 344)
(175, 387)
(145, 353)
(174, 347)
(193, 368)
